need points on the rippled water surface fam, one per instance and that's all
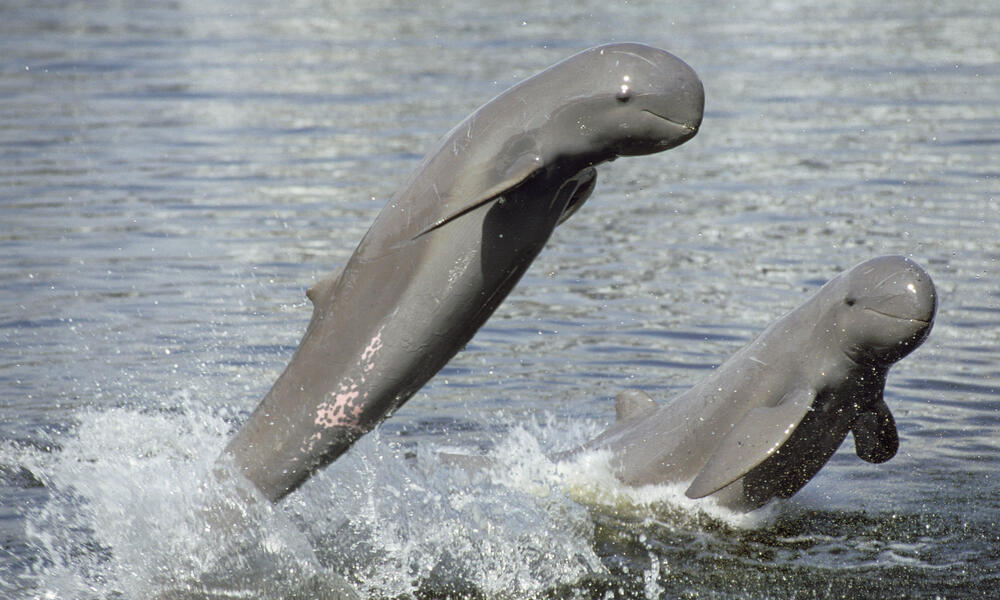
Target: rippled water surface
(174, 175)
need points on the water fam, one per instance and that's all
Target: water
(174, 175)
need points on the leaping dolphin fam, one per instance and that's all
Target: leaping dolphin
(450, 245)
(766, 420)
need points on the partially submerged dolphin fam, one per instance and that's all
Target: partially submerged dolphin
(765, 421)
(450, 245)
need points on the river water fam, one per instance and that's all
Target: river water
(174, 175)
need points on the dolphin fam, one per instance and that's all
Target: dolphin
(766, 420)
(452, 242)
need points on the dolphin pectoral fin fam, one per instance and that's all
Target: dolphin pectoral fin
(875, 437)
(580, 186)
(631, 403)
(522, 168)
(750, 442)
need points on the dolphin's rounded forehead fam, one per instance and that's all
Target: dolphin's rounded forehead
(671, 86)
(643, 68)
(640, 60)
(894, 275)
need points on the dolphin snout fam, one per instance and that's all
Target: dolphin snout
(896, 287)
(687, 105)
(682, 130)
(911, 296)
(922, 296)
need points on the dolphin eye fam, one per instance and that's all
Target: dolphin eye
(849, 301)
(624, 94)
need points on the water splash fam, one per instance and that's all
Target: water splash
(409, 523)
(521, 462)
(135, 509)
(138, 507)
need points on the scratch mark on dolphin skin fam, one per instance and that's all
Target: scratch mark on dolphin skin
(640, 57)
(309, 444)
(459, 268)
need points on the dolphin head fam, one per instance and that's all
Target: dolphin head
(884, 309)
(879, 312)
(628, 99)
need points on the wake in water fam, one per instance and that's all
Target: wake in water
(128, 514)
(136, 510)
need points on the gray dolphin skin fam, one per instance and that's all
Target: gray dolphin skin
(766, 420)
(450, 245)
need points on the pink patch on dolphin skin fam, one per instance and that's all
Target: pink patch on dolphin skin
(369, 352)
(346, 405)
(373, 346)
(346, 397)
(341, 412)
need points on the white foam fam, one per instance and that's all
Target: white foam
(408, 522)
(136, 508)
(588, 479)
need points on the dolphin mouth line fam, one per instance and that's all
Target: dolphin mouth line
(669, 120)
(897, 317)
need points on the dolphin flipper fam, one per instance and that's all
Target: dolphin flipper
(582, 184)
(875, 436)
(751, 441)
(522, 168)
(630, 403)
